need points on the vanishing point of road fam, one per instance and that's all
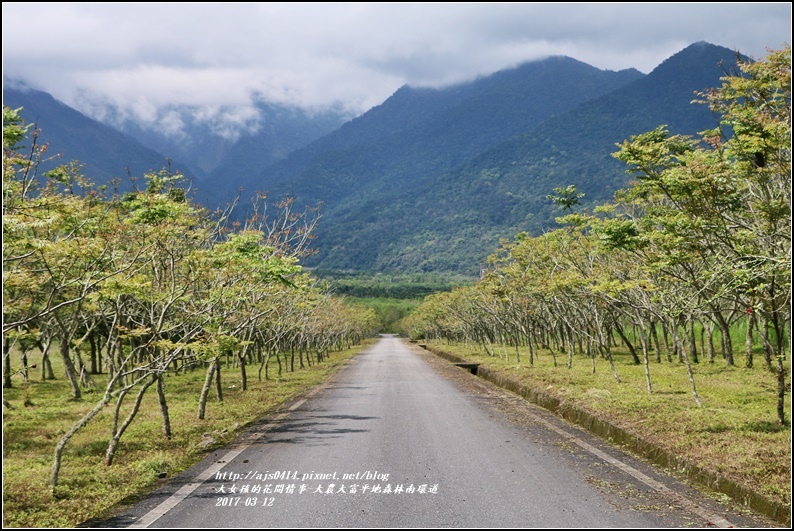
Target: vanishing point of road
(400, 438)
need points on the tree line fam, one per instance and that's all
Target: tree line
(146, 283)
(698, 242)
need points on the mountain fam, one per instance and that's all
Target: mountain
(224, 149)
(106, 152)
(418, 132)
(503, 190)
(411, 187)
(282, 131)
(431, 179)
(214, 149)
(404, 110)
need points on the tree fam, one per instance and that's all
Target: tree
(715, 212)
(566, 197)
(155, 278)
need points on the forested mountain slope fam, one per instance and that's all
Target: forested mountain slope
(224, 147)
(451, 220)
(419, 132)
(105, 152)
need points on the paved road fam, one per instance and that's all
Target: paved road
(400, 438)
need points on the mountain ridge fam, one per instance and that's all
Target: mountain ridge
(446, 125)
(502, 191)
(106, 153)
(432, 179)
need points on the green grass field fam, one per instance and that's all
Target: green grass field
(389, 311)
(41, 413)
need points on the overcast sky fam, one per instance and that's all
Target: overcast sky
(217, 56)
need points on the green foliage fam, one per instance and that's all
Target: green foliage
(14, 129)
(566, 197)
(390, 286)
(158, 282)
(699, 241)
(388, 312)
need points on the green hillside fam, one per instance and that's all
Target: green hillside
(453, 219)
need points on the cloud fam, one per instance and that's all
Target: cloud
(145, 58)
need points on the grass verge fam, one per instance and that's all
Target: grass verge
(733, 435)
(41, 413)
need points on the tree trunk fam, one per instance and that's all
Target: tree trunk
(84, 376)
(693, 341)
(111, 451)
(93, 360)
(120, 360)
(263, 365)
(767, 345)
(531, 351)
(46, 364)
(666, 338)
(780, 345)
(68, 367)
(691, 375)
(24, 366)
(120, 400)
(56, 464)
(655, 338)
(644, 344)
(708, 329)
(725, 333)
(628, 344)
(243, 375)
(163, 407)
(218, 385)
(99, 359)
(748, 340)
(7, 384)
(608, 354)
(781, 391)
(205, 390)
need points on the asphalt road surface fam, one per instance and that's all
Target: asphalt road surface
(400, 438)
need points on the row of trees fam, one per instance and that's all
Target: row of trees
(146, 283)
(700, 240)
